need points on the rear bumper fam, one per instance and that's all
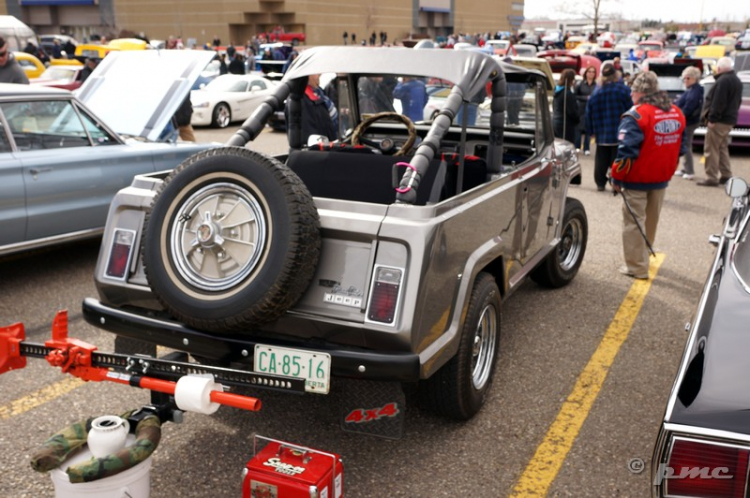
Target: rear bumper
(345, 361)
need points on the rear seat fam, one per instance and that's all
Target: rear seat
(366, 177)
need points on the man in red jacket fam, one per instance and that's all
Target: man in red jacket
(650, 143)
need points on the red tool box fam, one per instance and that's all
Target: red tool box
(285, 470)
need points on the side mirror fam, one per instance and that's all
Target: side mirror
(202, 86)
(736, 187)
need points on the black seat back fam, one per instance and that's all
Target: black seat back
(367, 177)
(475, 173)
(354, 177)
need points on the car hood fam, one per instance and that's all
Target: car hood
(137, 92)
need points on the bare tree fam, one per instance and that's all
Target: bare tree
(590, 9)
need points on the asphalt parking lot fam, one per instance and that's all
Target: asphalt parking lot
(583, 377)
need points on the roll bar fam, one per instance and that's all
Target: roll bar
(427, 150)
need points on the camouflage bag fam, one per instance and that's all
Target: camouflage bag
(57, 448)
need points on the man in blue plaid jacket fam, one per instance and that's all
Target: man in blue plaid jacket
(603, 111)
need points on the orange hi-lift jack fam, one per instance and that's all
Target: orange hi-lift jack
(83, 360)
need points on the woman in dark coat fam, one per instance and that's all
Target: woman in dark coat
(583, 91)
(564, 108)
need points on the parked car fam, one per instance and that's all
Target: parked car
(61, 164)
(425, 44)
(651, 48)
(295, 38)
(59, 76)
(740, 134)
(703, 447)
(631, 67)
(32, 66)
(669, 73)
(743, 43)
(501, 47)
(525, 50)
(727, 42)
(585, 48)
(435, 102)
(209, 73)
(563, 59)
(279, 54)
(370, 258)
(47, 42)
(229, 98)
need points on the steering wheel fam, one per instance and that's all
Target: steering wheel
(385, 145)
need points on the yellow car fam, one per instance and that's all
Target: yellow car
(32, 66)
(92, 50)
(128, 44)
(65, 62)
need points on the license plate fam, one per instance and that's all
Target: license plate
(314, 367)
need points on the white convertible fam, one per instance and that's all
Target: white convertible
(228, 98)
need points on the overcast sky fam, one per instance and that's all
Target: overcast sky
(666, 10)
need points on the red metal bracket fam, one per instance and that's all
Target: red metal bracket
(10, 347)
(73, 356)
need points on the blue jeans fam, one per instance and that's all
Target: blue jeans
(471, 115)
(581, 134)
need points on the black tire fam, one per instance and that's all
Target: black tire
(295, 42)
(459, 389)
(222, 116)
(561, 266)
(230, 278)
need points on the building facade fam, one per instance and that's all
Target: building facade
(322, 21)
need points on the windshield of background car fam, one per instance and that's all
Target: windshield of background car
(58, 73)
(650, 47)
(227, 85)
(55, 124)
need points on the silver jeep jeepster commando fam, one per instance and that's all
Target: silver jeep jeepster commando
(377, 260)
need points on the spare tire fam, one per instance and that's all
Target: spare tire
(232, 240)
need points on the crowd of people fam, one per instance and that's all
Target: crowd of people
(640, 136)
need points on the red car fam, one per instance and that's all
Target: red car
(66, 77)
(282, 36)
(652, 48)
(564, 59)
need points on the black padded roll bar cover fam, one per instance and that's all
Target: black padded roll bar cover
(497, 123)
(253, 125)
(294, 116)
(431, 143)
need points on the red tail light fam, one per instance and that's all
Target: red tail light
(703, 469)
(384, 295)
(119, 254)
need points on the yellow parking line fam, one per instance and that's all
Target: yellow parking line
(22, 405)
(551, 453)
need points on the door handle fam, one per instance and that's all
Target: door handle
(36, 171)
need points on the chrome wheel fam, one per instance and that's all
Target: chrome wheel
(222, 116)
(218, 237)
(483, 348)
(570, 247)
